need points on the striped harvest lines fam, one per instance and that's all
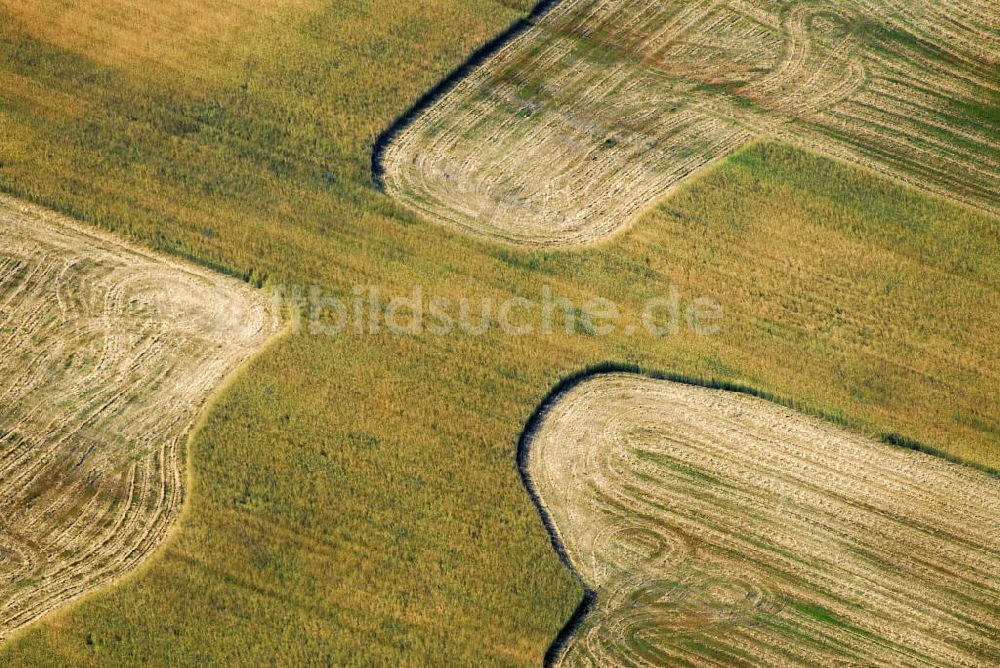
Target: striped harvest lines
(107, 353)
(602, 107)
(718, 528)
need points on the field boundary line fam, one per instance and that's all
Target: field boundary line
(86, 225)
(179, 458)
(569, 382)
(154, 557)
(444, 86)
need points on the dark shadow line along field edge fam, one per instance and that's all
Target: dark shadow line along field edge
(570, 382)
(447, 84)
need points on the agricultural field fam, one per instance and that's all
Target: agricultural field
(719, 528)
(355, 499)
(107, 354)
(591, 114)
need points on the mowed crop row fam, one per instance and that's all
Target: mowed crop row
(595, 112)
(719, 528)
(107, 353)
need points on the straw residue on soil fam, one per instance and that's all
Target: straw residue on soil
(107, 354)
(716, 527)
(602, 107)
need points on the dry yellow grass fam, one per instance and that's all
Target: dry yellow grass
(107, 354)
(350, 493)
(721, 529)
(590, 116)
(172, 35)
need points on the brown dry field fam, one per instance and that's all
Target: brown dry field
(721, 529)
(108, 353)
(602, 107)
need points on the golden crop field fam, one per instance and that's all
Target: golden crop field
(108, 353)
(600, 108)
(355, 499)
(719, 528)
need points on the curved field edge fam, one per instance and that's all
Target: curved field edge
(151, 561)
(385, 430)
(123, 347)
(476, 59)
(571, 382)
(675, 215)
(442, 163)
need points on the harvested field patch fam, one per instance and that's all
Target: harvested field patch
(349, 494)
(107, 354)
(597, 109)
(716, 527)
